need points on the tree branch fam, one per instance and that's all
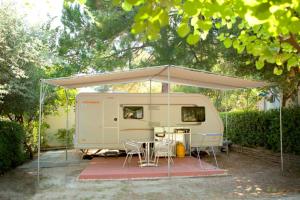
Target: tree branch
(124, 50)
(9, 117)
(195, 55)
(291, 40)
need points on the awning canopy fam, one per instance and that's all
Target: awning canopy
(178, 75)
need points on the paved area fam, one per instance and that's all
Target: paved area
(249, 179)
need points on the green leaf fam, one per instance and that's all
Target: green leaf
(193, 39)
(241, 25)
(218, 25)
(278, 59)
(137, 28)
(240, 49)
(221, 37)
(116, 2)
(229, 25)
(294, 26)
(277, 71)
(194, 21)
(190, 8)
(134, 2)
(236, 44)
(183, 29)
(262, 11)
(204, 25)
(259, 64)
(126, 6)
(227, 42)
(153, 31)
(143, 13)
(163, 18)
(292, 62)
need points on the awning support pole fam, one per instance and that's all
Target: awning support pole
(150, 108)
(67, 123)
(40, 125)
(280, 125)
(169, 120)
(226, 123)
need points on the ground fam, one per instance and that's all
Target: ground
(248, 178)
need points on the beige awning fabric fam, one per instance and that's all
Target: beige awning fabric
(178, 75)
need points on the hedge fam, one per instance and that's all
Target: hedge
(12, 138)
(261, 129)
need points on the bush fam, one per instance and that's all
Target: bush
(12, 138)
(62, 133)
(261, 129)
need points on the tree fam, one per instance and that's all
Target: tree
(269, 29)
(24, 53)
(17, 49)
(99, 33)
(94, 38)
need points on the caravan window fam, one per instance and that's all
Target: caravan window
(193, 114)
(133, 112)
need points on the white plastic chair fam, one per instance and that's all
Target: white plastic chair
(132, 148)
(163, 149)
(206, 142)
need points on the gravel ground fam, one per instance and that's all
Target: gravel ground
(249, 179)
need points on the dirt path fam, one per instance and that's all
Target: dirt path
(249, 179)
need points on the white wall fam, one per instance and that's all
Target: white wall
(58, 121)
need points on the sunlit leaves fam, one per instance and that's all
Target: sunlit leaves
(183, 29)
(294, 25)
(262, 24)
(163, 18)
(137, 28)
(259, 64)
(190, 7)
(293, 61)
(193, 38)
(126, 6)
(204, 25)
(278, 71)
(227, 42)
(261, 11)
(116, 2)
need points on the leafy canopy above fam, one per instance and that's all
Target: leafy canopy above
(269, 30)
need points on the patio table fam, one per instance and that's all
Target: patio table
(147, 162)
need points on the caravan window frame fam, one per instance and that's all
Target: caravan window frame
(125, 107)
(190, 107)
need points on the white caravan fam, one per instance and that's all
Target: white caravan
(106, 120)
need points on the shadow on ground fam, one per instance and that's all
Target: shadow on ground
(250, 179)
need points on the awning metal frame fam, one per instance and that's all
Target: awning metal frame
(155, 77)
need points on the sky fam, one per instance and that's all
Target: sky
(39, 11)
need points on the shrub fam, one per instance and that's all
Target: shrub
(62, 133)
(11, 145)
(261, 129)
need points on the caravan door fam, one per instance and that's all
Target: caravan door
(111, 121)
(89, 118)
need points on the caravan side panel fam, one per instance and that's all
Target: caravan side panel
(88, 120)
(100, 121)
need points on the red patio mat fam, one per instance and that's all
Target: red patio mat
(111, 169)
